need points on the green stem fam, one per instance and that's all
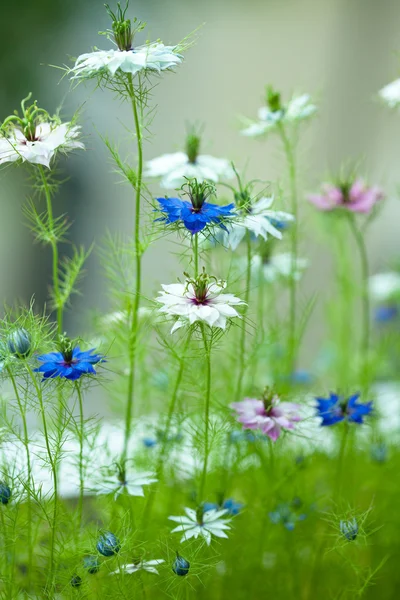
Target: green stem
(54, 247)
(138, 265)
(81, 438)
(365, 338)
(242, 342)
(29, 467)
(53, 471)
(290, 157)
(339, 470)
(195, 239)
(207, 348)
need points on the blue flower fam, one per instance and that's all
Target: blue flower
(336, 408)
(181, 566)
(19, 343)
(285, 514)
(198, 213)
(386, 313)
(229, 505)
(5, 493)
(71, 365)
(149, 442)
(91, 564)
(108, 544)
(349, 529)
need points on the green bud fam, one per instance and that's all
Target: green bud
(192, 147)
(273, 99)
(198, 192)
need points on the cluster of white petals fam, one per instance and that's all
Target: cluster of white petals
(297, 109)
(212, 523)
(175, 169)
(390, 94)
(132, 484)
(47, 140)
(179, 300)
(144, 565)
(154, 57)
(259, 219)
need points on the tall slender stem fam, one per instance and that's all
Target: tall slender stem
(22, 411)
(54, 247)
(207, 348)
(138, 265)
(365, 337)
(242, 342)
(291, 162)
(195, 239)
(81, 438)
(53, 471)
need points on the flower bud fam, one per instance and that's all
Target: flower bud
(5, 493)
(108, 544)
(91, 564)
(19, 343)
(349, 529)
(76, 581)
(181, 566)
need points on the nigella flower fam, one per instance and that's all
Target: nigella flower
(139, 565)
(232, 507)
(91, 564)
(132, 484)
(19, 343)
(390, 94)
(181, 566)
(175, 168)
(349, 529)
(276, 114)
(5, 493)
(35, 137)
(286, 514)
(280, 266)
(336, 408)
(198, 300)
(386, 313)
(354, 196)
(257, 218)
(70, 363)
(108, 544)
(197, 214)
(379, 452)
(203, 524)
(269, 414)
(126, 58)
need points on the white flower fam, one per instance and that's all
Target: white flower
(280, 266)
(132, 484)
(385, 286)
(390, 94)
(205, 305)
(47, 140)
(258, 219)
(154, 56)
(210, 523)
(176, 168)
(295, 110)
(143, 565)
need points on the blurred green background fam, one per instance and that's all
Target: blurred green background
(340, 51)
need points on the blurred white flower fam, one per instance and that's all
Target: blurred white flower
(259, 220)
(279, 266)
(297, 109)
(174, 169)
(39, 150)
(206, 524)
(143, 565)
(198, 301)
(384, 286)
(121, 482)
(152, 56)
(390, 94)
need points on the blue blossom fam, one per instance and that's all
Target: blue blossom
(5, 493)
(349, 529)
(196, 213)
(336, 408)
(229, 505)
(181, 566)
(69, 365)
(108, 544)
(19, 343)
(285, 515)
(91, 564)
(149, 442)
(386, 313)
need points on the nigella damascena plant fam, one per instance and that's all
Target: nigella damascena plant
(125, 482)
(197, 523)
(199, 300)
(19, 343)
(276, 114)
(35, 137)
(336, 408)
(352, 195)
(174, 169)
(232, 507)
(5, 493)
(139, 565)
(195, 214)
(269, 415)
(349, 529)
(70, 362)
(180, 566)
(126, 59)
(108, 544)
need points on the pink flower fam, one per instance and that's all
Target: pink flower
(357, 197)
(269, 417)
